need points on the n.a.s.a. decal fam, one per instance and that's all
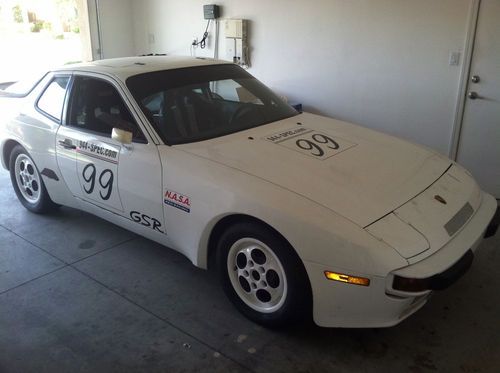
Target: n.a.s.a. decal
(177, 200)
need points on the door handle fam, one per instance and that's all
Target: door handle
(67, 144)
(473, 95)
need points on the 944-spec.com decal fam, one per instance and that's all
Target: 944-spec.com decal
(177, 200)
(310, 142)
(103, 152)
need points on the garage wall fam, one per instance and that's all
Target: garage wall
(117, 33)
(383, 64)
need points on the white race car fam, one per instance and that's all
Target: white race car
(302, 215)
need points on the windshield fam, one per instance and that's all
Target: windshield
(200, 103)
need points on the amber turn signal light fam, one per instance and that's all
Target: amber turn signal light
(347, 278)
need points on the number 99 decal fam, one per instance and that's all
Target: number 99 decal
(328, 141)
(88, 176)
(315, 145)
(98, 184)
(105, 181)
(311, 143)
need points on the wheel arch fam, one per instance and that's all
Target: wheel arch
(222, 224)
(227, 221)
(8, 146)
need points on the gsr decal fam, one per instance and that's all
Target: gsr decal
(310, 142)
(146, 221)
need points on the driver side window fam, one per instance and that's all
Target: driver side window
(96, 106)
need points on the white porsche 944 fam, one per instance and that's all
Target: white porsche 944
(303, 216)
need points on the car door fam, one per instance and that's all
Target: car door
(124, 179)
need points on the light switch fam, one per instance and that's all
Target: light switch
(455, 58)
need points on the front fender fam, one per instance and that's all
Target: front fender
(316, 233)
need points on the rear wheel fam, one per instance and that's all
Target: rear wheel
(263, 276)
(28, 183)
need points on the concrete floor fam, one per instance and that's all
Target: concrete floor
(78, 294)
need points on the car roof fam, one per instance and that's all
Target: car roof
(126, 67)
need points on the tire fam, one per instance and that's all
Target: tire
(263, 276)
(28, 183)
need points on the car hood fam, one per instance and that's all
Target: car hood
(356, 172)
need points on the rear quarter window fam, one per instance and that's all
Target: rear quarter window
(51, 101)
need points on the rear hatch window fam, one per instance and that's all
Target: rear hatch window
(24, 86)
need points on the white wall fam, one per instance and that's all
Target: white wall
(382, 64)
(117, 33)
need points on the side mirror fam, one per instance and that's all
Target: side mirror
(122, 136)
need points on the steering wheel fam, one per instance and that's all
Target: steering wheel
(240, 112)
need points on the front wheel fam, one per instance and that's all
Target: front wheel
(263, 276)
(28, 183)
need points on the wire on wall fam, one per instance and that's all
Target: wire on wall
(203, 42)
(211, 13)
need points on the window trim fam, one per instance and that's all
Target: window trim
(43, 112)
(106, 79)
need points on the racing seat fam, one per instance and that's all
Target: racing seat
(178, 116)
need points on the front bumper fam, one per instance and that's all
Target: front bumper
(439, 281)
(338, 304)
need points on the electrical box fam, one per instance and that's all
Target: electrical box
(236, 28)
(237, 50)
(211, 11)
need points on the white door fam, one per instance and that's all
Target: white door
(89, 164)
(479, 146)
(123, 179)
